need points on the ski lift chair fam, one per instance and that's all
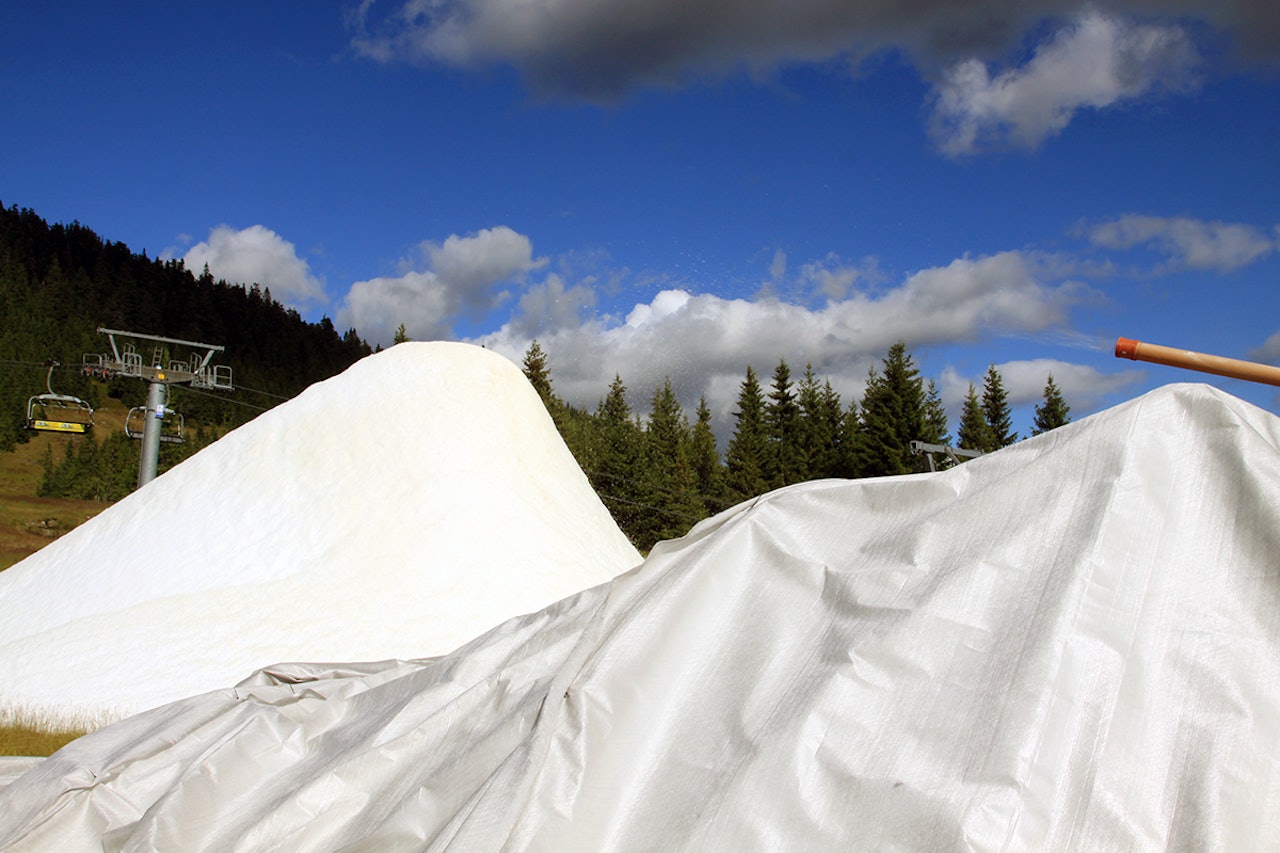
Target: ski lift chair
(54, 412)
(172, 425)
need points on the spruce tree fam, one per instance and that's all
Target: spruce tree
(848, 442)
(705, 459)
(995, 406)
(745, 458)
(975, 433)
(671, 490)
(784, 462)
(816, 437)
(616, 475)
(830, 459)
(892, 416)
(537, 372)
(935, 417)
(1053, 412)
(49, 485)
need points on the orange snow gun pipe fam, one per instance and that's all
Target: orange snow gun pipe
(1220, 365)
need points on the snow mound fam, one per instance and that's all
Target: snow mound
(1073, 644)
(397, 510)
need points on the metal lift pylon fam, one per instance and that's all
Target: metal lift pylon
(951, 456)
(125, 360)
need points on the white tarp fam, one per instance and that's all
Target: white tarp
(1072, 644)
(397, 510)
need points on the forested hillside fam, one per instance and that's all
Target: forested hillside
(60, 283)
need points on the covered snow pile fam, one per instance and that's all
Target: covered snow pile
(1073, 644)
(395, 511)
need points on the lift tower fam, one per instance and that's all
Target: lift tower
(161, 371)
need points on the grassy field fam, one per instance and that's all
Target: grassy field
(19, 740)
(27, 522)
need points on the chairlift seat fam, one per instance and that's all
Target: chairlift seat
(59, 413)
(172, 430)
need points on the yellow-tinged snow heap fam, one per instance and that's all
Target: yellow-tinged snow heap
(394, 511)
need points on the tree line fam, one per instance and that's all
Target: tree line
(91, 470)
(661, 474)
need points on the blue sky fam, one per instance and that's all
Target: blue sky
(681, 189)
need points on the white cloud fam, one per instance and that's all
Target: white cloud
(833, 278)
(465, 278)
(472, 265)
(1082, 386)
(1096, 62)
(704, 342)
(552, 306)
(257, 255)
(1189, 243)
(376, 307)
(778, 267)
(1269, 352)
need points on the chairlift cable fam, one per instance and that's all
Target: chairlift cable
(189, 390)
(263, 393)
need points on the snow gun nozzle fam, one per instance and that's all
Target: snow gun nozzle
(1215, 364)
(1127, 348)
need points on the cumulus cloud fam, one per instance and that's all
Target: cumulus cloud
(1093, 63)
(472, 265)
(704, 342)
(551, 306)
(1082, 386)
(464, 278)
(257, 255)
(1269, 351)
(834, 279)
(1188, 243)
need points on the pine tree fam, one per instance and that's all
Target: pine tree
(668, 429)
(995, 406)
(935, 417)
(891, 416)
(48, 487)
(815, 438)
(745, 458)
(1053, 412)
(668, 476)
(784, 460)
(616, 475)
(580, 431)
(568, 423)
(831, 416)
(705, 460)
(849, 440)
(401, 335)
(537, 372)
(975, 433)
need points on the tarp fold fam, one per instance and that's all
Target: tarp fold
(1072, 644)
